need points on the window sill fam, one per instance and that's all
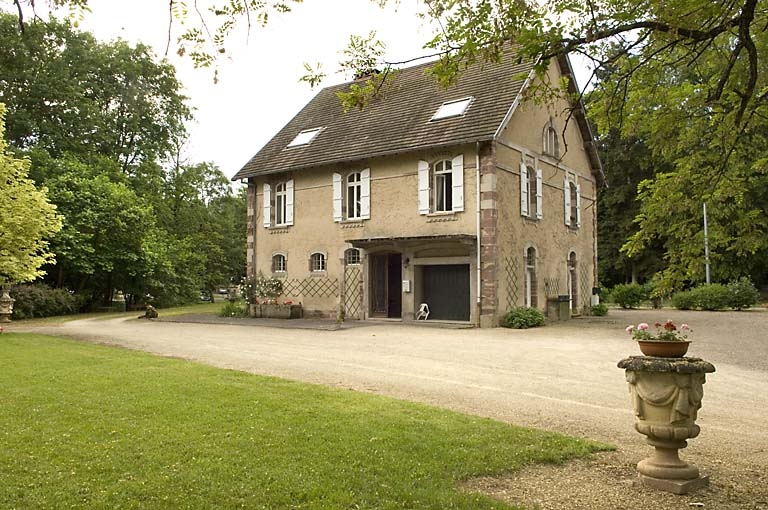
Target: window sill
(442, 216)
(278, 229)
(352, 223)
(318, 274)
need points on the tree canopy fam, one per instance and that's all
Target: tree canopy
(27, 221)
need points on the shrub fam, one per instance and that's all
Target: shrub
(523, 317)
(260, 287)
(629, 295)
(742, 294)
(684, 300)
(711, 297)
(39, 300)
(599, 309)
(235, 309)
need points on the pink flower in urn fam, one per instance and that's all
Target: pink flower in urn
(629, 328)
(685, 327)
(643, 326)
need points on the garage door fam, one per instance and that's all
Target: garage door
(446, 291)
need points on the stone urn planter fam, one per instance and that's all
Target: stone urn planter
(275, 311)
(6, 305)
(666, 395)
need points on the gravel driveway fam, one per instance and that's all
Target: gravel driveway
(562, 377)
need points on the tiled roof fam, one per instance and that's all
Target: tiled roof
(399, 121)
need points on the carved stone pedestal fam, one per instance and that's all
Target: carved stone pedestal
(6, 305)
(666, 396)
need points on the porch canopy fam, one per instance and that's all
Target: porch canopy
(407, 241)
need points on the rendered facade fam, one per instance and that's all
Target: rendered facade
(469, 200)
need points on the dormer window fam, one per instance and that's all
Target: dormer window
(452, 108)
(305, 137)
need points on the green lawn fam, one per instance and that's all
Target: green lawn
(87, 426)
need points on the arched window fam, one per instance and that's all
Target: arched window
(279, 263)
(443, 185)
(573, 281)
(281, 202)
(531, 296)
(351, 257)
(317, 262)
(354, 196)
(551, 141)
(573, 191)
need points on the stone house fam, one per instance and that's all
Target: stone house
(471, 200)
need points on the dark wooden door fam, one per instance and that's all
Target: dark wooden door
(385, 274)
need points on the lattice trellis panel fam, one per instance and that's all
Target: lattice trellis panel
(552, 287)
(311, 287)
(353, 292)
(511, 273)
(585, 287)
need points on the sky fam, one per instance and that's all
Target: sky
(258, 89)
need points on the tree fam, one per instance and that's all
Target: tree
(27, 219)
(70, 94)
(102, 242)
(627, 162)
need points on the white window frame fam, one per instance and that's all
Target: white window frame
(528, 201)
(354, 191)
(317, 262)
(352, 260)
(572, 201)
(284, 267)
(455, 108)
(304, 137)
(550, 141)
(531, 283)
(442, 186)
(278, 204)
(348, 193)
(435, 177)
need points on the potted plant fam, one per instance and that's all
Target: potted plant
(668, 341)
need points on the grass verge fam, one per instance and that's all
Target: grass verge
(89, 426)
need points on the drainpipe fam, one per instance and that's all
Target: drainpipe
(477, 185)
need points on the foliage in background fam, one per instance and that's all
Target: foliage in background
(103, 126)
(27, 218)
(114, 428)
(629, 295)
(738, 295)
(599, 310)
(626, 162)
(39, 300)
(523, 317)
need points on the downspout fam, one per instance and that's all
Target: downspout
(477, 185)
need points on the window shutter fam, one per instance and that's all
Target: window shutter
(289, 202)
(337, 197)
(539, 194)
(365, 194)
(267, 205)
(523, 189)
(578, 205)
(457, 178)
(567, 201)
(423, 187)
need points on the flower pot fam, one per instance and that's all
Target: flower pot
(663, 349)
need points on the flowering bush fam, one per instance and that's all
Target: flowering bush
(261, 288)
(666, 332)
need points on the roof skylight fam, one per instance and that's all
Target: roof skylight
(305, 137)
(452, 108)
